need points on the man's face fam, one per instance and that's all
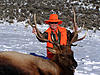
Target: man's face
(53, 25)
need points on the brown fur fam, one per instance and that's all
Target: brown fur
(23, 64)
(14, 63)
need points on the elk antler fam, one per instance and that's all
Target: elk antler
(38, 35)
(75, 29)
(38, 32)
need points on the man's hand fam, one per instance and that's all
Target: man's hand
(34, 31)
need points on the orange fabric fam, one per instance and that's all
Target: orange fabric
(53, 18)
(63, 40)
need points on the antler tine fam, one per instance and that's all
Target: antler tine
(33, 26)
(76, 32)
(75, 24)
(82, 37)
(38, 32)
(39, 36)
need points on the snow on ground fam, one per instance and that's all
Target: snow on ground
(15, 37)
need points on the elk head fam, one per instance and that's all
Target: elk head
(64, 56)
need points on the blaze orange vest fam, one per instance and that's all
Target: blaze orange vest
(63, 39)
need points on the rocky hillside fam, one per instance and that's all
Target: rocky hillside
(87, 11)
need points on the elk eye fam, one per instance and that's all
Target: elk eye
(62, 56)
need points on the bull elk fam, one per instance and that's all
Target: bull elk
(63, 63)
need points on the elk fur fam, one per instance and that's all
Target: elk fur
(15, 63)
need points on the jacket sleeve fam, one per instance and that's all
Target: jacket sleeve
(70, 36)
(45, 35)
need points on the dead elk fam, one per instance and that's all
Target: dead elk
(14, 63)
